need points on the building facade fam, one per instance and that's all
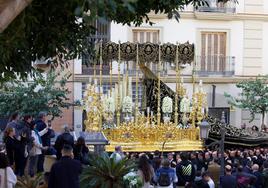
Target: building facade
(231, 45)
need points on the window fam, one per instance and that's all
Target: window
(213, 51)
(143, 35)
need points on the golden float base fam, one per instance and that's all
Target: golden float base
(182, 145)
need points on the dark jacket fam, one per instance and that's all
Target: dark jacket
(200, 183)
(228, 181)
(12, 149)
(81, 153)
(41, 125)
(64, 138)
(259, 181)
(26, 136)
(265, 178)
(185, 172)
(65, 173)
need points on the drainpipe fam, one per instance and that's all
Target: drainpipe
(213, 95)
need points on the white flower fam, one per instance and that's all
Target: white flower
(109, 105)
(167, 105)
(127, 104)
(133, 182)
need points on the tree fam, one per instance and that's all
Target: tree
(45, 93)
(59, 30)
(254, 97)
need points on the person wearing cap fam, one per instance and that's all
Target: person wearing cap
(228, 181)
(65, 173)
(64, 138)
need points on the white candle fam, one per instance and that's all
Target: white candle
(130, 86)
(90, 80)
(152, 113)
(95, 81)
(200, 83)
(101, 90)
(148, 111)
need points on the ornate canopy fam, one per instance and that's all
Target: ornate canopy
(148, 52)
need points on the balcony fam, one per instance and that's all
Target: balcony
(215, 65)
(89, 70)
(218, 7)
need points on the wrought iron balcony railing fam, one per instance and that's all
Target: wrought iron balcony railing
(215, 65)
(219, 7)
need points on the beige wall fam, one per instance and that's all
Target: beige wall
(67, 115)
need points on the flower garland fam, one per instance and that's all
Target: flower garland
(109, 105)
(167, 105)
(127, 104)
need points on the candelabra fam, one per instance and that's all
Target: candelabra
(118, 94)
(159, 89)
(137, 86)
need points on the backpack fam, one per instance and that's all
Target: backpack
(164, 179)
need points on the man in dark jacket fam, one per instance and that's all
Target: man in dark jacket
(259, 179)
(228, 181)
(65, 173)
(46, 138)
(64, 138)
(185, 171)
(265, 174)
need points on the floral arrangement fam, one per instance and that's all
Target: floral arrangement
(167, 105)
(127, 104)
(185, 105)
(109, 105)
(132, 180)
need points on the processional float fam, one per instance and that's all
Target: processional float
(165, 120)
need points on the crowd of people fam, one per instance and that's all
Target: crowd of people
(27, 141)
(28, 144)
(243, 168)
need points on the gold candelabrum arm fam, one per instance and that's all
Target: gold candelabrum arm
(159, 85)
(101, 89)
(176, 90)
(137, 87)
(118, 95)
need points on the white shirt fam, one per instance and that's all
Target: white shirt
(211, 183)
(11, 178)
(37, 147)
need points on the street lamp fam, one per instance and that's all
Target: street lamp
(204, 131)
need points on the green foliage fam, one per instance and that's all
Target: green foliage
(28, 182)
(51, 29)
(44, 93)
(105, 172)
(254, 96)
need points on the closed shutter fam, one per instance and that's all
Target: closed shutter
(213, 51)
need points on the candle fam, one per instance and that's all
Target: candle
(97, 89)
(95, 82)
(182, 80)
(130, 86)
(148, 111)
(90, 80)
(152, 113)
(101, 90)
(200, 83)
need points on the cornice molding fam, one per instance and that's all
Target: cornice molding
(215, 16)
